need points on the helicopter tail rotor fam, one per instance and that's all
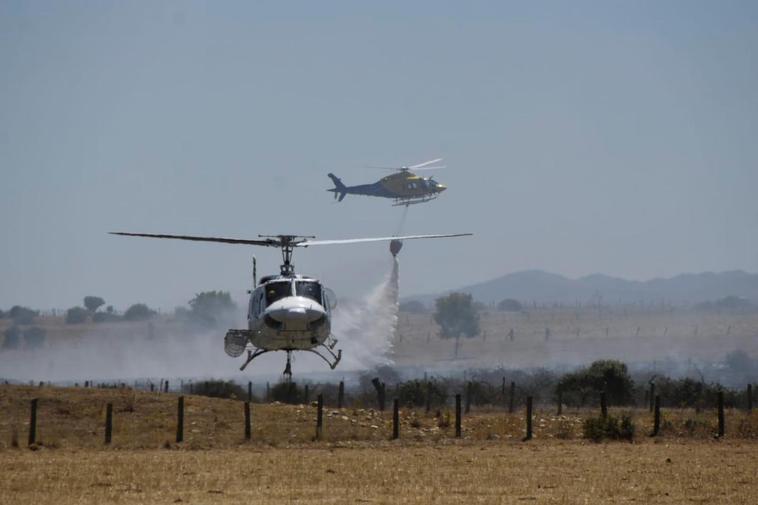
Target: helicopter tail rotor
(339, 190)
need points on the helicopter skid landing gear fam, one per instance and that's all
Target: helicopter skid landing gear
(251, 355)
(335, 357)
(288, 367)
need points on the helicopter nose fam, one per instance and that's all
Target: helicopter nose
(296, 314)
(441, 187)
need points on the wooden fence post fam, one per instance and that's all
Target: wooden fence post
(603, 405)
(458, 416)
(652, 396)
(560, 403)
(341, 395)
(395, 419)
(512, 398)
(306, 394)
(749, 398)
(165, 386)
(248, 428)
(319, 416)
(108, 423)
(180, 421)
(657, 416)
(428, 396)
(528, 418)
(33, 423)
(721, 413)
(249, 391)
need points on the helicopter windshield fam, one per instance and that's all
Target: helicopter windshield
(308, 289)
(277, 290)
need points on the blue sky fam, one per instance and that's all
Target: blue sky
(580, 137)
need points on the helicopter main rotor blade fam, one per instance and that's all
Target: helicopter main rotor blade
(429, 168)
(308, 243)
(430, 162)
(267, 242)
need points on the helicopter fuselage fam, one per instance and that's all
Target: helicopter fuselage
(289, 313)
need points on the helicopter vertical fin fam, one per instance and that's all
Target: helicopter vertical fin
(340, 190)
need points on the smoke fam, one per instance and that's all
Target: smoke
(129, 351)
(366, 329)
(126, 351)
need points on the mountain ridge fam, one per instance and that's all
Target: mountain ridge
(547, 287)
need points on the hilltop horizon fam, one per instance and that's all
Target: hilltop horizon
(548, 287)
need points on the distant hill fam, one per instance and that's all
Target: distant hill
(545, 287)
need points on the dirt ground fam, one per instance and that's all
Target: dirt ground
(476, 472)
(355, 462)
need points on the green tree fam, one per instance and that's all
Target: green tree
(457, 316)
(92, 303)
(138, 312)
(22, 315)
(212, 307)
(76, 315)
(12, 337)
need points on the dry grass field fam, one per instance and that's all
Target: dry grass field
(467, 472)
(356, 462)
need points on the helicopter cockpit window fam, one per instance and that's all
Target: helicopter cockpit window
(277, 290)
(309, 289)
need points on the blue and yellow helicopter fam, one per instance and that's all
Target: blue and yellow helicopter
(404, 186)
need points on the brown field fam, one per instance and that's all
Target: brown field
(356, 462)
(469, 472)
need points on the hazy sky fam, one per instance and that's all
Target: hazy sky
(580, 137)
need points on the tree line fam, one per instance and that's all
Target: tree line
(208, 309)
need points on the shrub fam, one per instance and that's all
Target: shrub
(138, 312)
(287, 392)
(219, 389)
(76, 315)
(510, 305)
(414, 393)
(34, 337)
(609, 427)
(482, 393)
(609, 376)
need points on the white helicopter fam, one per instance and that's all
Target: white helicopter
(288, 312)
